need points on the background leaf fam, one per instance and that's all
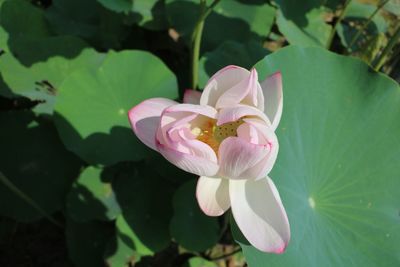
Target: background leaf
(303, 23)
(104, 97)
(35, 161)
(92, 197)
(190, 227)
(145, 199)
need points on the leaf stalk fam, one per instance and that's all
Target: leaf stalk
(196, 40)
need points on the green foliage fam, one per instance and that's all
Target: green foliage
(356, 15)
(145, 199)
(104, 96)
(28, 144)
(87, 242)
(41, 81)
(336, 169)
(190, 226)
(71, 70)
(92, 197)
(230, 20)
(230, 53)
(302, 22)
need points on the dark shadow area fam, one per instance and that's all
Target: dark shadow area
(35, 160)
(296, 11)
(234, 53)
(63, 28)
(351, 25)
(120, 144)
(36, 244)
(217, 28)
(146, 203)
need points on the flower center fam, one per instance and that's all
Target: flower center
(213, 135)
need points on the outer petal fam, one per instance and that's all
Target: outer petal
(188, 162)
(145, 118)
(220, 82)
(272, 89)
(236, 156)
(191, 97)
(213, 195)
(259, 213)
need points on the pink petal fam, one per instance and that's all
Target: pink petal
(191, 97)
(235, 113)
(244, 92)
(236, 156)
(196, 164)
(213, 195)
(220, 82)
(145, 119)
(272, 88)
(259, 213)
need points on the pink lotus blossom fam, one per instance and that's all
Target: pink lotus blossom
(226, 136)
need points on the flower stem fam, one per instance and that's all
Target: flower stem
(381, 60)
(27, 199)
(365, 25)
(196, 40)
(339, 20)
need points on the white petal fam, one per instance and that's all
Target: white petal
(244, 92)
(213, 195)
(273, 97)
(220, 82)
(237, 156)
(198, 165)
(259, 213)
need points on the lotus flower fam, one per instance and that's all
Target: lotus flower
(226, 136)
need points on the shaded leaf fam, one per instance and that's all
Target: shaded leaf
(190, 227)
(230, 53)
(92, 198)
(145, 199)
(35, 161)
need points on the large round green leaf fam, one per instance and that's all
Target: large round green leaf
(190, 227)
(40, 82)
(34, 159)
(92, 106)
(338, 165)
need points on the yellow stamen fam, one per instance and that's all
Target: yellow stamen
(213, 135)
